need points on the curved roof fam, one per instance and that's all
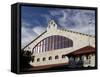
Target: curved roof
(66, 30)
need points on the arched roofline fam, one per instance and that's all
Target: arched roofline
(66, 30)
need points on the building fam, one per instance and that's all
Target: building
(57, 47)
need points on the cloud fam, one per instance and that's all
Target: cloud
(77, 20)
(90, 30)
(29, 34)
(73, 19)
(47, 18)
(38, 30)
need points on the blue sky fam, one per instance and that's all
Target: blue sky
(34, 21)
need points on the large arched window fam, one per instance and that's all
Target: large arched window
(52, 43)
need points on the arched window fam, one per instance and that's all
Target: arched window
(50, 58)
(44, 58)
(63, 56)
(56, 57)
(32, 58)
(51, 43)
(38, 59)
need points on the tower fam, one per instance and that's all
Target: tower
(52, 25)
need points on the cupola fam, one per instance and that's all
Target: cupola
(52, 25)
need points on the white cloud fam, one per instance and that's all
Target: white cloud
(27, 36)
(38, 30)
(89, 30)
(80, 18)
(56, 12)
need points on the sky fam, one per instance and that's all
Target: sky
(34, 21)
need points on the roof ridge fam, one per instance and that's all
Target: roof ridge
(76, 32)
(34, 39)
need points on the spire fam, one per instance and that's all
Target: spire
(52, 25)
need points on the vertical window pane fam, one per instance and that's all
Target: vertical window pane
(35, 49)
(57, 42)
(53, 42)
(48, 43)
(44, 46)
(65, 42)
(38, 48)
(62, 42)
(41, 45)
